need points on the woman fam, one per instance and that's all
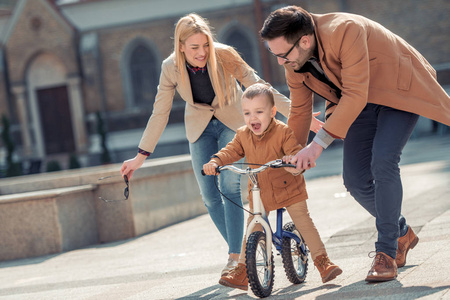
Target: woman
(204, 73)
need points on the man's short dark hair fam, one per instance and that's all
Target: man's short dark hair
(291, 22)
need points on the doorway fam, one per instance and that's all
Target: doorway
(56, 121)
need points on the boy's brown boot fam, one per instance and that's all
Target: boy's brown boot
(328, 270)
(237, 278)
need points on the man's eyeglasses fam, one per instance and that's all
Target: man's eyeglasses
(289, 51)
(126, 192)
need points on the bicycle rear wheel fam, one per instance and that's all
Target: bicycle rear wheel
(295, 260)
(260, 267)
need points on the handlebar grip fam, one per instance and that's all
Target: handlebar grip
(284, 165)
(290, 166)
(217, 171)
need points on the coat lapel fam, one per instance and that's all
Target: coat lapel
(185, 89)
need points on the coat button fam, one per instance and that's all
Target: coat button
(284, 182)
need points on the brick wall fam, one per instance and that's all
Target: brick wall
(38, 30)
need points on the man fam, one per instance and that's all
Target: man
(375, 85)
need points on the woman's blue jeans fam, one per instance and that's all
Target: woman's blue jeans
(227, 217)
(372, 150)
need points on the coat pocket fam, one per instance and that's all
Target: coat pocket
(404, 72)
(284, 188)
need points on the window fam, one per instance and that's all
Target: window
(242, 43)
(143, 76)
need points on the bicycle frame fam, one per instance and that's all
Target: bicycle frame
(260, 216)
(280, 233)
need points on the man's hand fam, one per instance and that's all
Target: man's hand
(210, 168)
(316, 124)
(306, 158)
(286, 159)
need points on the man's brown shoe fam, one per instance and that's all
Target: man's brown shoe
(406, 242)
(383, 268)
(237, 278)
(328, 271)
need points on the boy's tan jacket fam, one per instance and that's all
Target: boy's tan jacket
(369, 64)
(197, 115)
(279, 188)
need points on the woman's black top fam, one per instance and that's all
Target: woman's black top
(202, 89)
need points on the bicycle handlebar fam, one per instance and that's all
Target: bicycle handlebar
(278, 163)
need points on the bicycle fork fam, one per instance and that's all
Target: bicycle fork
(260, 217)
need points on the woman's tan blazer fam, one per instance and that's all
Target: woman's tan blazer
(197, 115)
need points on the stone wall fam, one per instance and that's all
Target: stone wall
(61, 211)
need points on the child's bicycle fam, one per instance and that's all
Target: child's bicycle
(287, 240)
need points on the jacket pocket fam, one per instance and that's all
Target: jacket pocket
(284, 188)
(404, 72)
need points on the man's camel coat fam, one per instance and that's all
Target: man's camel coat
(369, 64)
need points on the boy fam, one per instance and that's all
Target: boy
(264, 139)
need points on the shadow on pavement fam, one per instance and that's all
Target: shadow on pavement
(392, 289)
(218, 292)
(357, 290)
(27, 261)
(298, 290)
(213, 292)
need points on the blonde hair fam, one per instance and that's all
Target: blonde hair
(259, 89)
(228, 58)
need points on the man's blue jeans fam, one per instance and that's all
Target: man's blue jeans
(227, 217)
(372, 150)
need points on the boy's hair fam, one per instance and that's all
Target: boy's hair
(259, 89)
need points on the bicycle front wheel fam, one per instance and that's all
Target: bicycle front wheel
(295, 260)
(260, 267)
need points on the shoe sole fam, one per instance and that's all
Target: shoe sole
(411, 246)
(227, 284)
(333, 274)
(380, 279)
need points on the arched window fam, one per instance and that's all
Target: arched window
(244, 45)
(143, 73)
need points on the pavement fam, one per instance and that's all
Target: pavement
(184, 261)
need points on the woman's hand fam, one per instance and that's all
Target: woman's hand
(210, 168)
(131, 165)
(316, 124)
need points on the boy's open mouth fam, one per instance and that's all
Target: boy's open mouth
(256, 126)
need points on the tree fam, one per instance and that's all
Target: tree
(12, 169)
(73, 162)
(105, 157)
